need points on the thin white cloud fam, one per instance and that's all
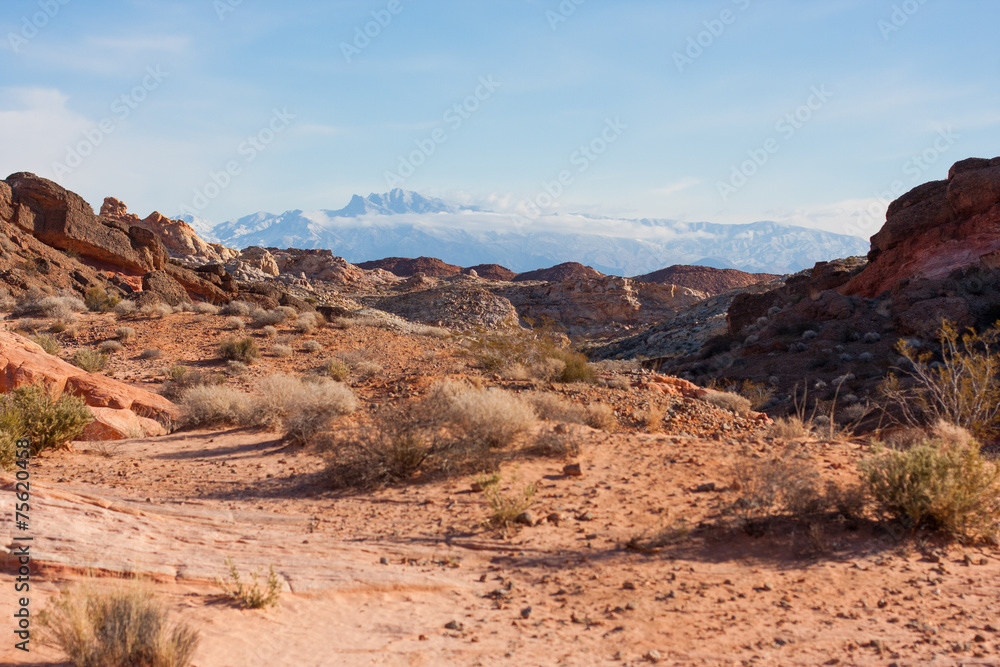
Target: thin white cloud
(35, 128)
(678, 186)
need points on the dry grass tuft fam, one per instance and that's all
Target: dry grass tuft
(122, 627)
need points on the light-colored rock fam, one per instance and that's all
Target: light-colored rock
(113, 424)
(260, 259)
(22, 362)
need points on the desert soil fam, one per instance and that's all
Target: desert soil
(415, 575)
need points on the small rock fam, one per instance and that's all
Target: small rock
(573, 470)
(525, 519)
(526, 612)
(555, 518)
(705, 488)
(586, 516)
(629, 586)
(979, 639)
(454, 625)
(383, 560)
(653, 656)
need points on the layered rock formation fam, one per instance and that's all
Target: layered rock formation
(935, 229)
(119, 410)
(706, 279)
(560, 272)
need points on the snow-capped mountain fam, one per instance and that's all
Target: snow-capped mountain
(406, 224)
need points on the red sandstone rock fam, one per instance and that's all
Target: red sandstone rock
(705, 278)
(936, 228)
(560, 273)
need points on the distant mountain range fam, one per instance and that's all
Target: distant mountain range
(406, 224)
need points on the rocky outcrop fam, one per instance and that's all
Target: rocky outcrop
(180, 239)
(706, 279)
(25, 363)
(935, 229)
(63, 220)
(461, 306)
(560, 273)
(598, 305)
(260, 259)
(490, 272)
(163, 285)
(323, 265)
(405, 267)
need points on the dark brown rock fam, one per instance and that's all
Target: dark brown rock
(491, 272)
(259, 300)
(706, 279)
(560, 273)
(405, 267)
(746, 308)
(196, 285)
(166, 287)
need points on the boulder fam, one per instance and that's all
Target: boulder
(63, 220)
(166, 287)
(112, 424)
(934, 229)
(25, 363)
(260, 259)
(195, 284)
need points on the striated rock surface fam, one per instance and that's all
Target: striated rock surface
(25, 363)
(462, 306)
(706, 279)
(560, 272)
(260, 259)
(63, 220)
(323, 265)
(405, 267)
(490, 272)
(598, 305)
(936, 228)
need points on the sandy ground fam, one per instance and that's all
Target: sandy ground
(415, 575)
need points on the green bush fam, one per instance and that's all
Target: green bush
(578, 369)
(30, 412)
(962, 388)
(123, 627)
(98, 301)
(242, 349)
(91, 361)
(47, 343)
(336, 370)
(942, 485)
(250, 596)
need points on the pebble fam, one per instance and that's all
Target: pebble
(454, 625)
(586, 516)
(654, 656)
(525, 519)
(573, 470)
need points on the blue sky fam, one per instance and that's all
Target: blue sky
(724, 111)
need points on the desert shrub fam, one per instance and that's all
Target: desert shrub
(783, 484)
(426, 330)
(125, 308)
(269, 332)
(301, 409)
(234, 323)
(215, 404)
(31, 412)
(309, 322)
(159, 310)
(507, 504)
(109, 346)
(181, 378)
(651, 418)
(251, 595)
(577, 367)
(7, 302)
(51, 307)
(546, 369)
(47, 343)
(312, 346)
(240, 349)
(400, 442)
(31, 324)
(336, 369)
(125, 334)
(943, 485)
(239, 308)
(732, 402)
(123, 627)
(962, 388)
(490, 418)
(367, 369)
(205, 308)
(263, 318)
(236, 368)
(601, 416)
(553, 407)
(151, 353)
(97, 300)
(282, 351)
(758, 393)
(789, 428)
(91, 361)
